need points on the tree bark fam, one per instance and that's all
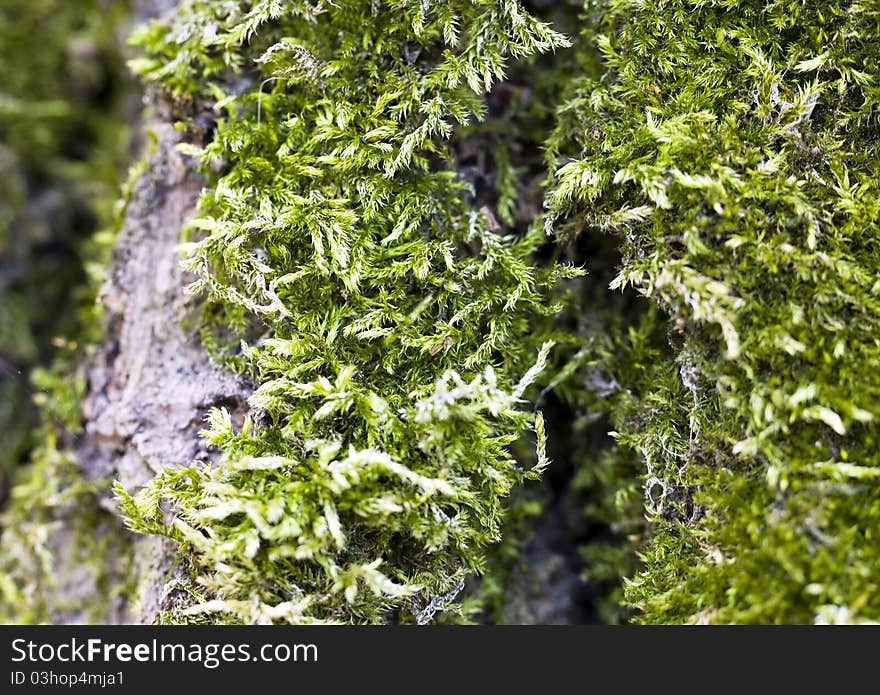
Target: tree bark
(149, 384)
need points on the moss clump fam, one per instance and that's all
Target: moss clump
(392, 324)
(733, 148)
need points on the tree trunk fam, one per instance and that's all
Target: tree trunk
(149, 384)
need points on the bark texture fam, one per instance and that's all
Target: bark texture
(150, 384)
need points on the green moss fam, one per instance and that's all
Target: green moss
(733, 149)
(53, 510)
(57, 544)
(61, 145)
(388, 318)
(393, 297)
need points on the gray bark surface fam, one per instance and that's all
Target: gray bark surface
(150, 384)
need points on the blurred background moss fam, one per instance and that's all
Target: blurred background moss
(64, 95)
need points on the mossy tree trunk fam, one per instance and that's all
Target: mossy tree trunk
(149, 386)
